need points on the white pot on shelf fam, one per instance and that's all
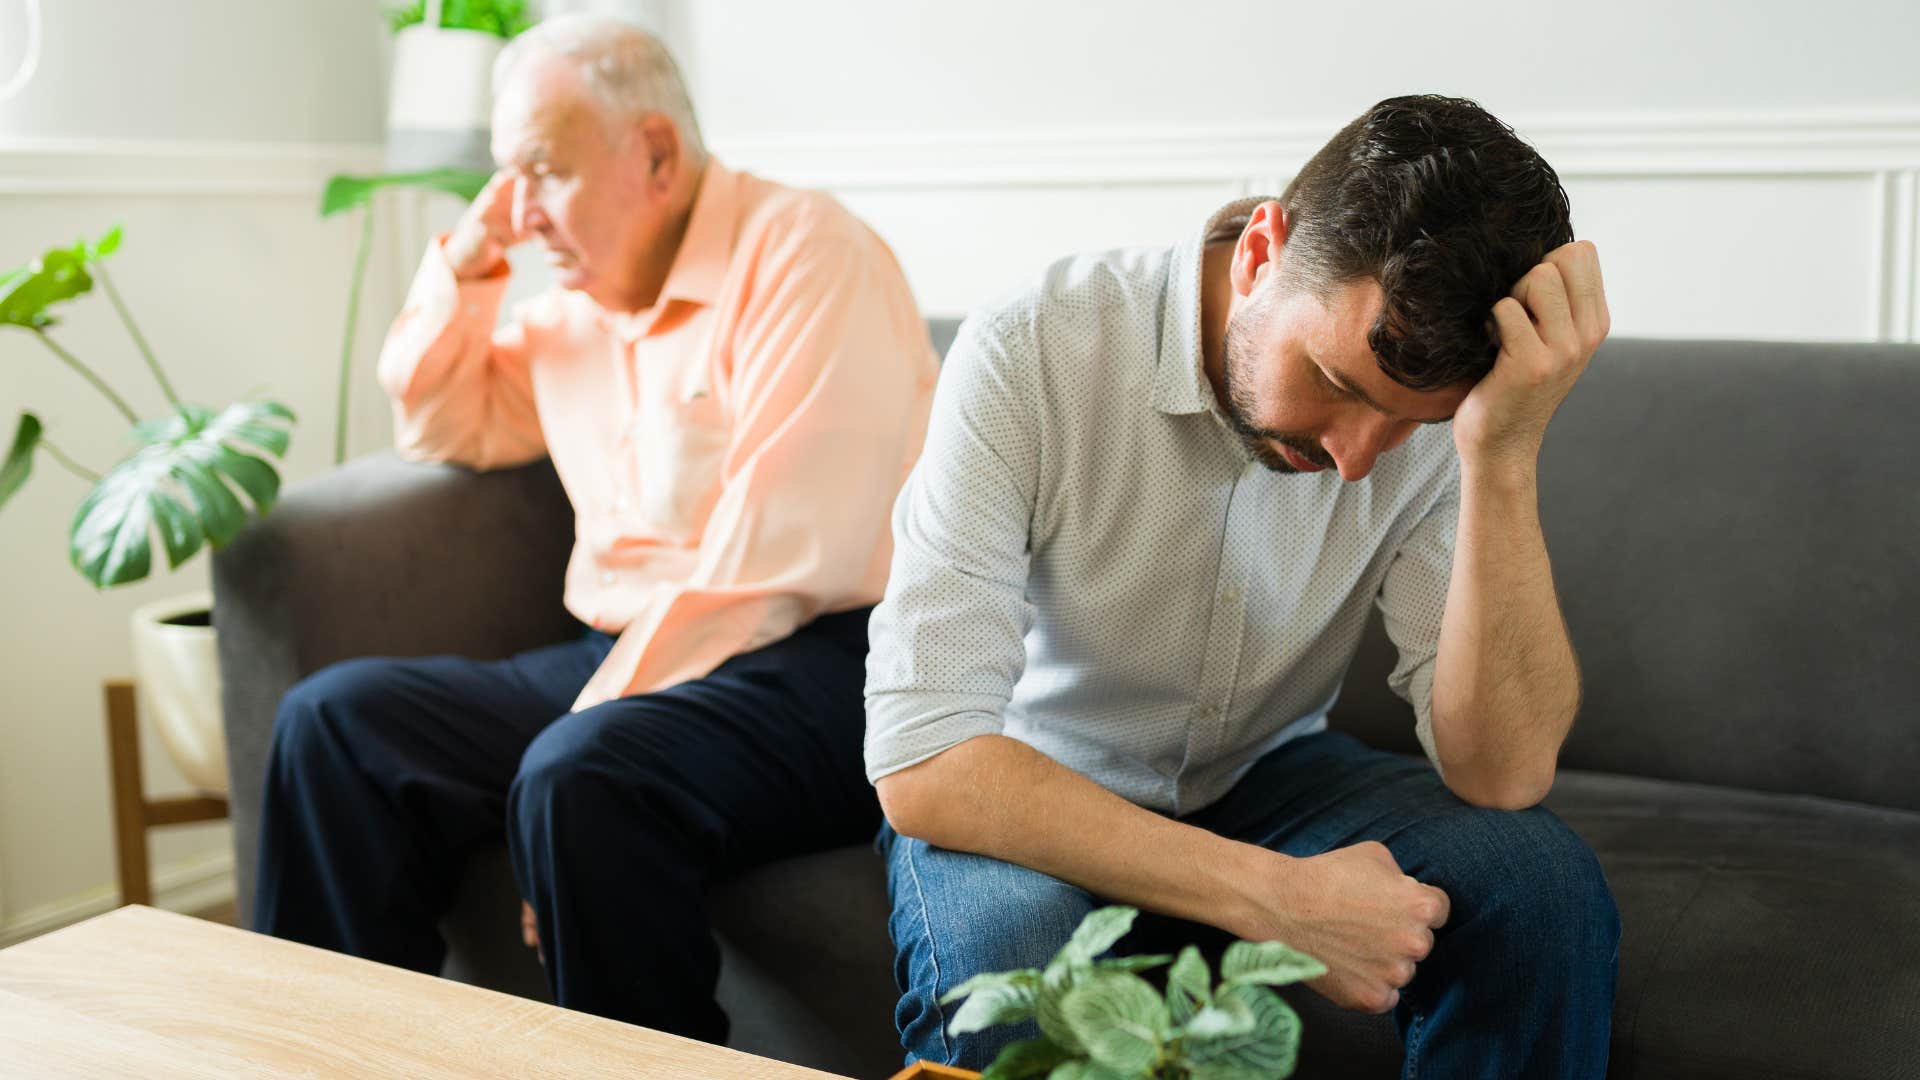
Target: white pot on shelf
(177, 671)
(442, 99)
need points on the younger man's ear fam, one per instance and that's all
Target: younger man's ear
(1257, 252)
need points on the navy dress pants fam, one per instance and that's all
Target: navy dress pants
(386, 775)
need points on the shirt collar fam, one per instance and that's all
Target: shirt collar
(701, 263)
(1180, 383)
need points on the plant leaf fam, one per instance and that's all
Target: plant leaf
(993, 1005)
(1087, 1070)
(194, 453)
(1133, 964)
(1119, 1020)
(57, 276)
(1022, 977)
(1188, 985)
(1267, 963)
(1220, 1070)
(108, 243)
(347, 192)
(1270, 1047)
(221, 514)
(1220, 1021)
(1095, 935)
(108, 540)
(180, 532)
(1055, 984)
(504, 18)
(19, 463)
(1024, 1059)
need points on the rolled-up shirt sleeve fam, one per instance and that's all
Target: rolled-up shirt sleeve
(947, 642)
(1412, 599)
(460, 386)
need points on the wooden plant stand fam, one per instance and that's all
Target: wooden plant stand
(133, 812)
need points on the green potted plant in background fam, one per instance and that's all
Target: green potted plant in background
(438, 117)
(1099, 1020)
(188, 478)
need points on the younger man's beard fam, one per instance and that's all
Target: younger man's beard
(1237, 362)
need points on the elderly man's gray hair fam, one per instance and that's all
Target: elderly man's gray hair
(627, 70)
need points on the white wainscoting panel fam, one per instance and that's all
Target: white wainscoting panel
(241, 289)
(1770, 226)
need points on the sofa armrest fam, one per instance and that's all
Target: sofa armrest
(383, 557)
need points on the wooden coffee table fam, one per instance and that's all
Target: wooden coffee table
(145, 993)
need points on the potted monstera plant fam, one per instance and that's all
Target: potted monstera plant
(1100, 1020)
(191, 476)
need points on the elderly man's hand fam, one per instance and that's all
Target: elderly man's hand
(478, 244)
(1549, 328)
(530, 929)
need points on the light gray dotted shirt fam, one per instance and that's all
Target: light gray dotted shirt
(1087, 559)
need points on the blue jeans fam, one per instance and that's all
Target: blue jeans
(1519, 983)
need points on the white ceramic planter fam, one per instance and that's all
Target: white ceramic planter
(178, 674)
(442, 99)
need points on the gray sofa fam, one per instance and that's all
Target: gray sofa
(1735, 532)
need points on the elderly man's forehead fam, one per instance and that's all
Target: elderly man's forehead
(543, 97)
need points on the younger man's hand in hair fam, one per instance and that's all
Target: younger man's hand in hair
(1549, 328)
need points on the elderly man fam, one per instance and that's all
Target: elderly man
(732, 380)
(1162, 489)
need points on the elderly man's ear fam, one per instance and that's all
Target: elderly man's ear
(664, 153)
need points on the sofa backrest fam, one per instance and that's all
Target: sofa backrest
(1735, 535)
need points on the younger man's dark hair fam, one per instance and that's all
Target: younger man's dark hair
(1442, 204)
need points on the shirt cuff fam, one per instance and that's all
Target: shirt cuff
(930, 730)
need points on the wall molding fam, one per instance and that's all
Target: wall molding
(1804, 142)
(185, 886)
(59, 167)
(1858, 141)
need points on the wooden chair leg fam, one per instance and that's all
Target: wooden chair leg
(129, 793)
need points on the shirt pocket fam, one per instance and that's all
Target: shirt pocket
(680, 446)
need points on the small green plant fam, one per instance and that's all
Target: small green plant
(503, 18)
(188, 469)
(1099, 1020)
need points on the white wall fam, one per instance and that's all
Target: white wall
(207, 128)
(1749, 170)
(212, 70)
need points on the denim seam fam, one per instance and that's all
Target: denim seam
(1416, 1034)
(933, 954)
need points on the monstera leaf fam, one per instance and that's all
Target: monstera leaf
(347, 192)
(178, 483)
(27, 292)
(19, 462)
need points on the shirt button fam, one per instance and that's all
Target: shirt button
(607, 577)
(1229, 595)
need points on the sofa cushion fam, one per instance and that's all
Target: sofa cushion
(1731, 525)
(1764, 936)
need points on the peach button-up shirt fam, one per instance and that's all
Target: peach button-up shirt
(732, 453)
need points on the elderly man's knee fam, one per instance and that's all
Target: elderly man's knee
(322, 711)
(577, 764)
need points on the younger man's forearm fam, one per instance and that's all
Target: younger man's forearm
(996, 796)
